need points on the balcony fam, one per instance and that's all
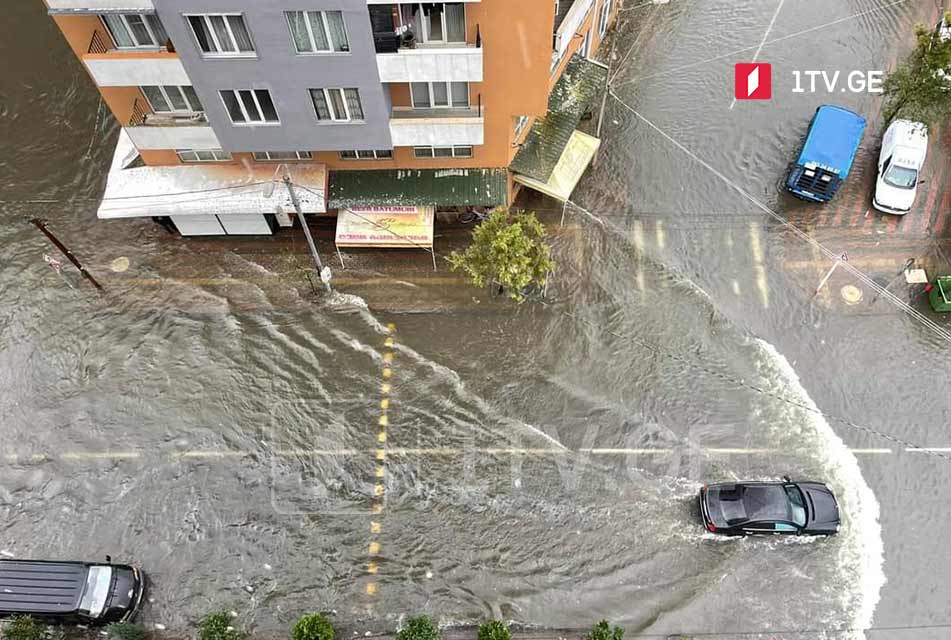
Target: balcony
(149, 130)
(113, 67)
(95, 6)
(567, 24)
(437, 127)
(450, 63)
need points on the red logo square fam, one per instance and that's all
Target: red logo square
(753, 81)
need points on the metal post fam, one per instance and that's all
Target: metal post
(41, 225)
(607, 90)
(310, 239)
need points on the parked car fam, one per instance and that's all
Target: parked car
(827, 154)
(76, 592)
(904, 147)
(748, 508)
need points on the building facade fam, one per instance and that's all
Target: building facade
(406, 107)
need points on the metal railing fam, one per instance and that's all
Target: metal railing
(138, 114)
(98, 44)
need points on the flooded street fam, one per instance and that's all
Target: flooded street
(543, 461)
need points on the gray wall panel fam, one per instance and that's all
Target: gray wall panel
(286, 75)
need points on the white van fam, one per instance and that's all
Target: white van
(899, 166)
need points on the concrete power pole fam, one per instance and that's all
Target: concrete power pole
(322, 273)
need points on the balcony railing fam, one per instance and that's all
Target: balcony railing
(393, 41)
(142, 116)
(102, 43)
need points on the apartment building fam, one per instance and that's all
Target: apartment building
(378, 111)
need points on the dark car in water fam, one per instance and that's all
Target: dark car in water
(72, 592)
(751, 508)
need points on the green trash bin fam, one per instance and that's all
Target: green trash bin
(939, 294)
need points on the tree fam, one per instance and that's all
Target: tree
(493, 630)
(920, 88)
(418, 628)
(604, 631)
(313, 626)
(507, 250)
(22, 628)
(217, 626)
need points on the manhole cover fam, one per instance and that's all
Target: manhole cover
(120, 264)
(851, 294)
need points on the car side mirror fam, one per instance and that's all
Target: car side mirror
(922, 181)
(787, 479)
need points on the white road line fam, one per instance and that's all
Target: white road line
(759, 269)
(433, 451)
(763, 41)
(661, 237)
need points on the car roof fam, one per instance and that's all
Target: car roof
(33, 586)
(833, 138)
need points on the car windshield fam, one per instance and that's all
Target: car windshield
(797, 504)
(901, 177)
(97, 589)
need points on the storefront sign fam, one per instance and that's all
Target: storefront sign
(389, 226)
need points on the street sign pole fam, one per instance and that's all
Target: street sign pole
(843, 258)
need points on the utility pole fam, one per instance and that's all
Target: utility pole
(321, 272)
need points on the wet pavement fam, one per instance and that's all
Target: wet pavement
(441, 450)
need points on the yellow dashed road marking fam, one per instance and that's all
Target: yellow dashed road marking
(374, 548)
(375, 527)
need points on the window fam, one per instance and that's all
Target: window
(221, 34)
(605, 15)
(247, 106)
(443, 152)
(435, 22)
(427, 95)
(379, 154)
(172, 99)
(213, 155)
(274, 156)
(520, 123)
(133, 30)
(318, 31)
(337, 105)
(585, 44)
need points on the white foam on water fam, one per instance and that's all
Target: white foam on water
(862, 549)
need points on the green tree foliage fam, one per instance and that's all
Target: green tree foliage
(22, 628)
(507, 250)
(493, 630)
(419, 628)
(313, 626)
(604, 631)
(920, 88)
(125, 631)
(217, 626)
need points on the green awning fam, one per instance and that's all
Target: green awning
(581, 83)
(418, 187)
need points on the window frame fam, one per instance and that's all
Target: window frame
(423, 29)
(432, 95)
(248, 121)
(356, 154)
(325, 91)
(454, 153)
(310, 32)
(219, 53)
(520, 123)
(131, 33)
(300, 156)
(226, 155)
(603, 19)
(165, 96)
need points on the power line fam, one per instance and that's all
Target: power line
(928, 323)
(689, 362)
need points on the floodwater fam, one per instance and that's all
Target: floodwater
(543, 461)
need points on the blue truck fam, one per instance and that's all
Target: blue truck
(827, 154)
